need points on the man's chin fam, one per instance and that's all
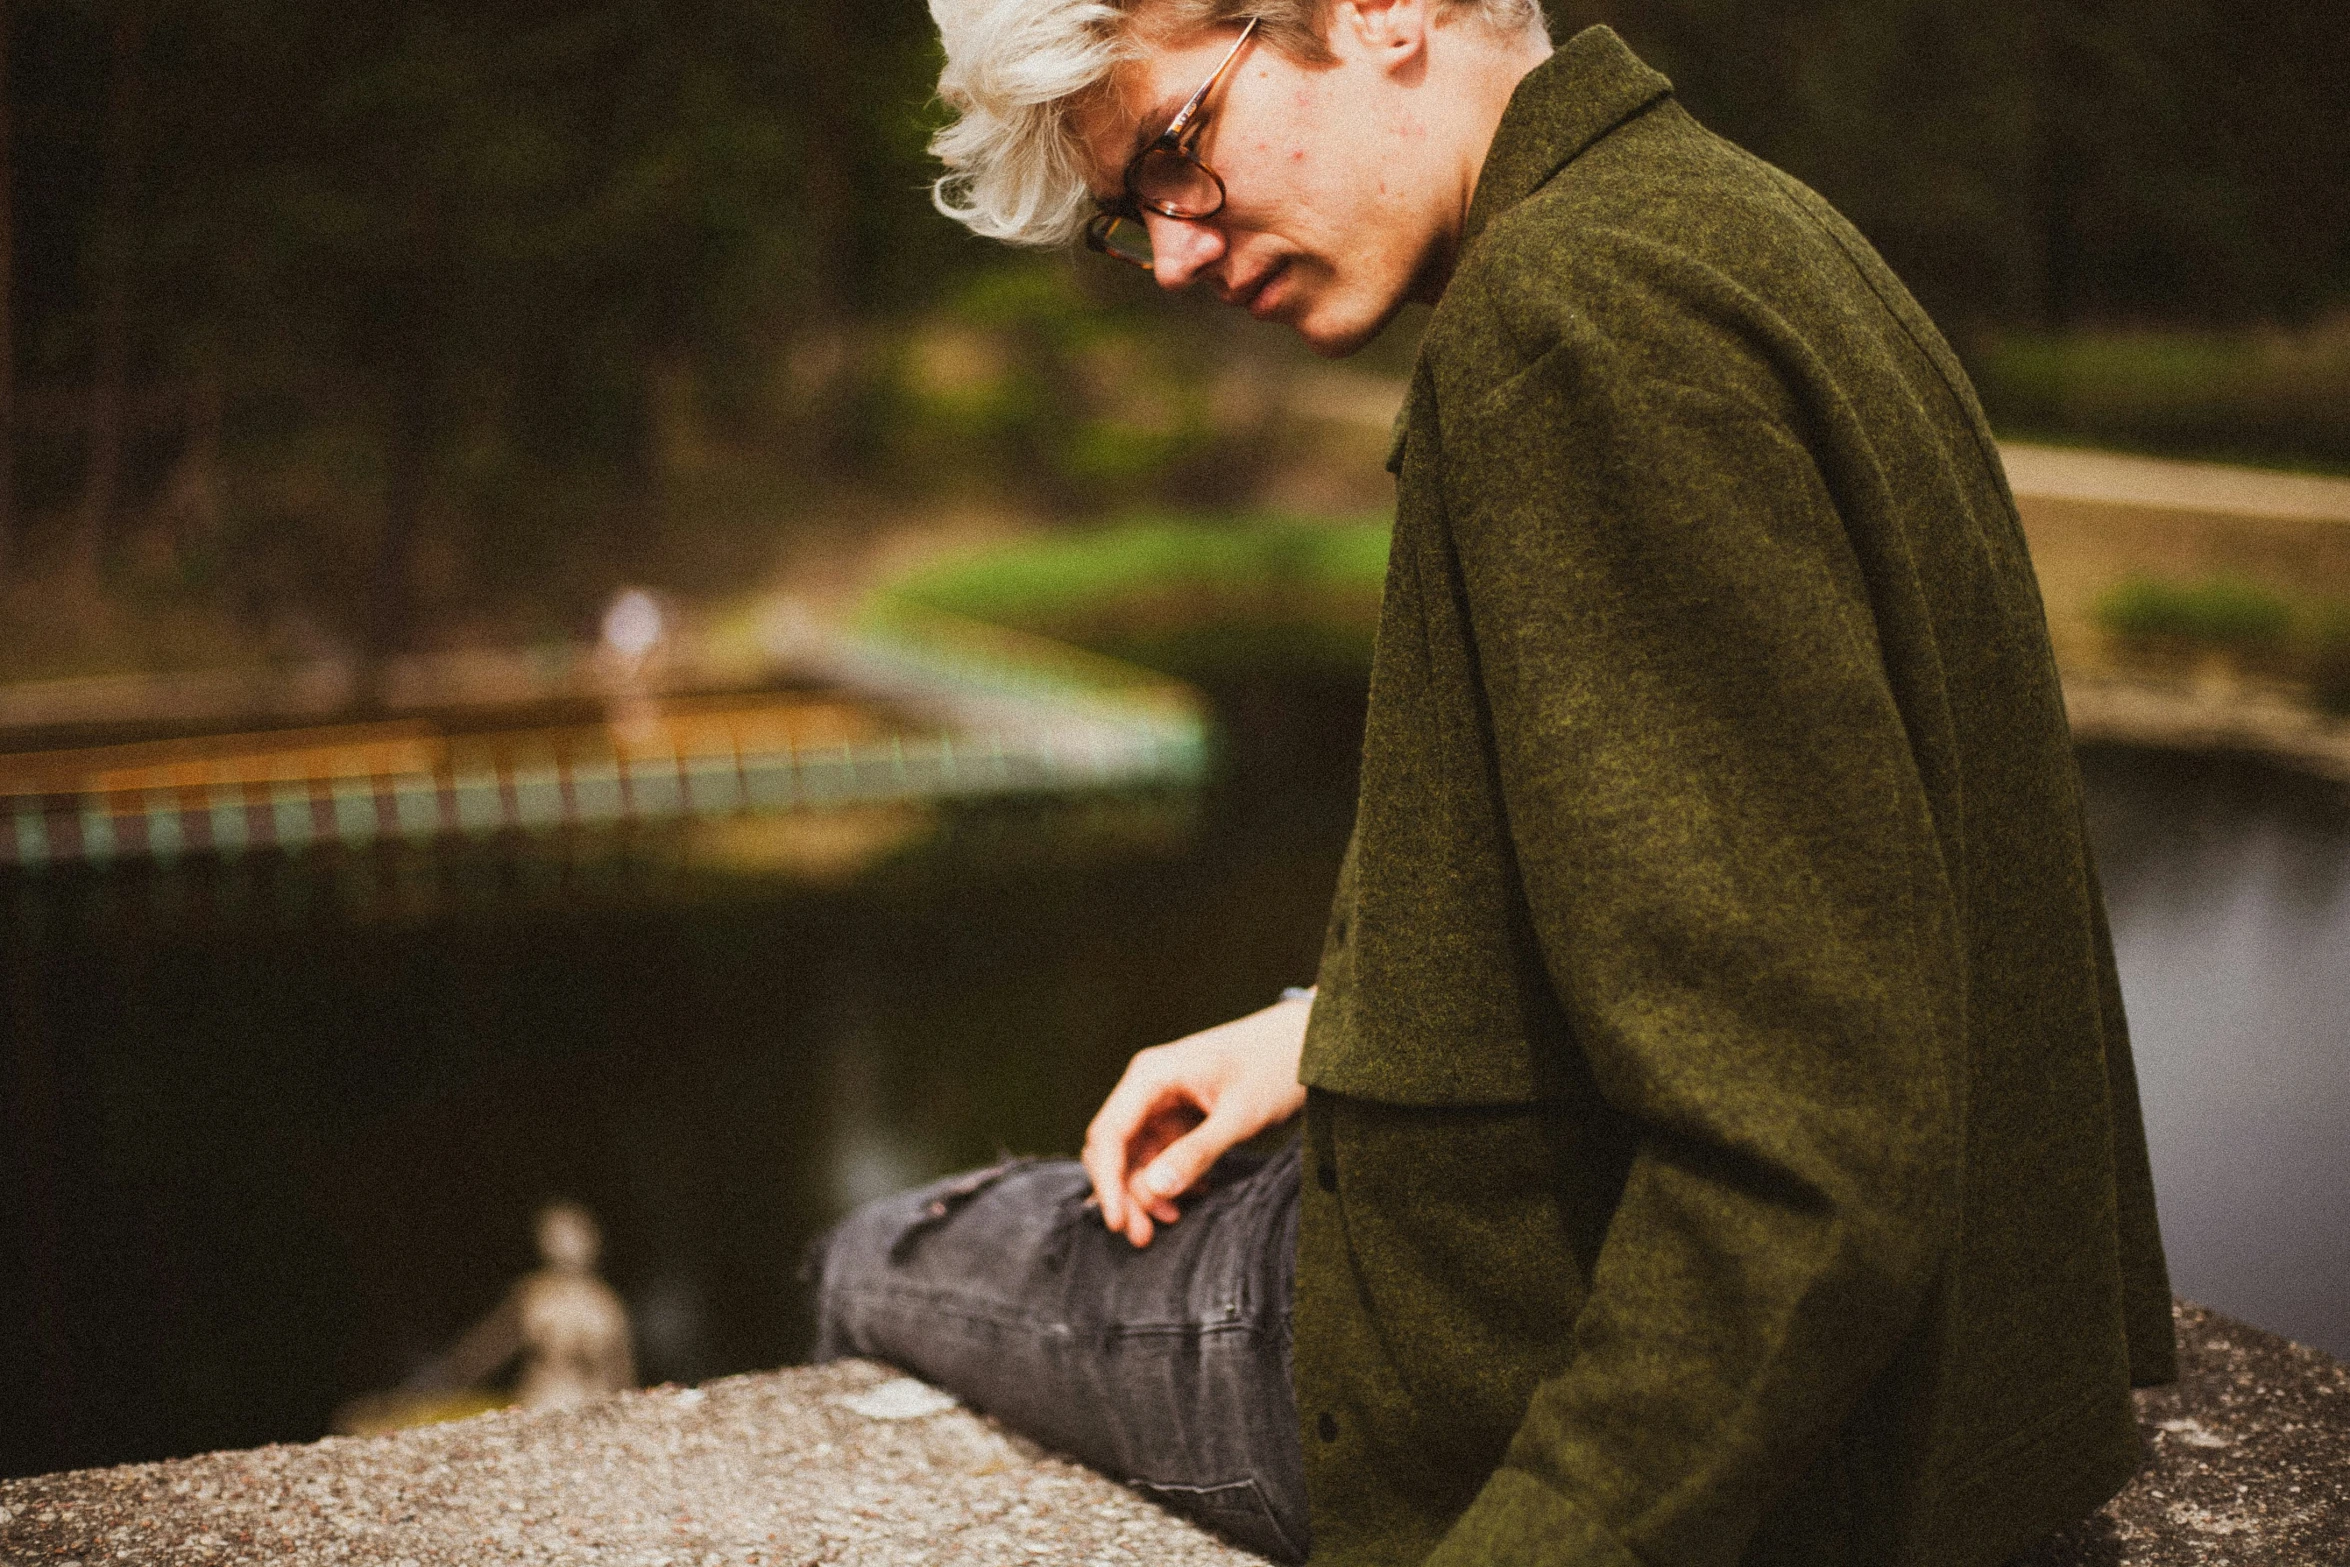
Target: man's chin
(1333, 347)
(1336, 333)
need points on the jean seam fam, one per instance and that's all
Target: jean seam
(970, 1309)
(1249, 1484)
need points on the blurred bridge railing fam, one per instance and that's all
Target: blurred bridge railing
(922, 708)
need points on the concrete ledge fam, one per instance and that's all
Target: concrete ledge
(846, 1464)
(2249, 1462)
(2222, 714)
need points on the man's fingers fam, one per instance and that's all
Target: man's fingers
(1125, 1133)
(1111, 1133)
(1179, 1107)
(1179, 1166)
(1109, 1184)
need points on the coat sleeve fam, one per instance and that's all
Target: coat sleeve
(1737, 891)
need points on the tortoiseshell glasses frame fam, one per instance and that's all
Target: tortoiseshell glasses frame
(1166, 177)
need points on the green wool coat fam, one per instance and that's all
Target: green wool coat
(1723, 1144)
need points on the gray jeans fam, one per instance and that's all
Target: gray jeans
(1166, 1367)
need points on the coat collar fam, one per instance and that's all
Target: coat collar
(1590, 85)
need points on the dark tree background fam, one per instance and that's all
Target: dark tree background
(2053, 162)
(380, 307)
(381, 322)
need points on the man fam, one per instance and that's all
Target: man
(1721, 1140)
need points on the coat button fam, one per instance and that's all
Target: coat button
(1327, 1426)
(1326, 1176)
(1343, 925)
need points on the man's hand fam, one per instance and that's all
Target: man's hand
(1182, 1106)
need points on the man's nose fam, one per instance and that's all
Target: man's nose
(1181, 249)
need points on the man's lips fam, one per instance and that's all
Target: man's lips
(1256, 295)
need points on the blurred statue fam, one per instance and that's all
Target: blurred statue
(565, 1323)
(572, 1330)
(631, 662)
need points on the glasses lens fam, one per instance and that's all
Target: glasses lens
(1169, 182)
(1123, 238)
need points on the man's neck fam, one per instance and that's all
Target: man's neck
(1484, 72)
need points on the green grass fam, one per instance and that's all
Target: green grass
(1078, 571)
(2152, 619)
(1198, 598)
(2223, 612)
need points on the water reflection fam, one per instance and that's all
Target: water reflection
(871, 1155)
(2229, 884)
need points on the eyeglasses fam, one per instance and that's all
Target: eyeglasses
(1166, 177)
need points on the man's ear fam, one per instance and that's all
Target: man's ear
(1389, 33)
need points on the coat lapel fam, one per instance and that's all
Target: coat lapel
(1589, 86)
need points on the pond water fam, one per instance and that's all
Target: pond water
(2228, 883)
(268, 1140)
(270, 1153)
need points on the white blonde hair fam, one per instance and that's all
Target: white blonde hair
(1016, 68)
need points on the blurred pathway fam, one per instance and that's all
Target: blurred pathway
(2065, 473)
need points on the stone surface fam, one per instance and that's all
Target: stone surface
(2216, 711)
(2249, 1462)
(844, 1464)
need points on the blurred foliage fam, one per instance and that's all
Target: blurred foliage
(428, 303)
(375, 325)
(2267, 396)
(1197, 599)
(2164, 624)
(2044, 163)
(1071, 402)
(2223, 612)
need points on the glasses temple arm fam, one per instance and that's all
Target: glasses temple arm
(1177, 126)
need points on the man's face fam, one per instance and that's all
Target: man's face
(1325, 228)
